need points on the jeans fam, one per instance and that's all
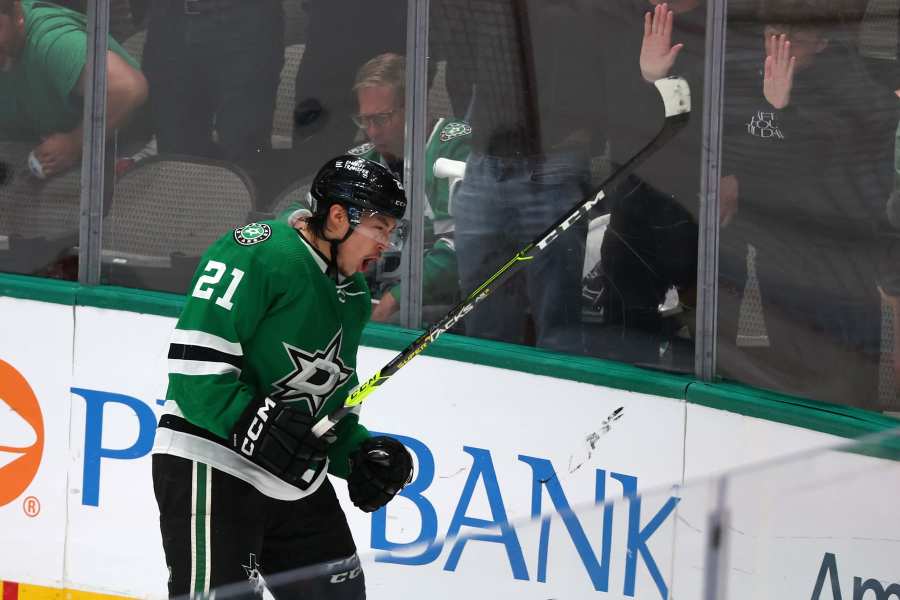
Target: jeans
(218, 70)
(503, 204)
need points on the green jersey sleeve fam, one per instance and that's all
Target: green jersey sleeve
(350, 434)
(452, 140)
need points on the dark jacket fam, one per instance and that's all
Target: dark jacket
(814, 176)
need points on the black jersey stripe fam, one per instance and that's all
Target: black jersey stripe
(204, 354)
(176, 423)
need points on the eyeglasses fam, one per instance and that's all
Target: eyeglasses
(377, 120)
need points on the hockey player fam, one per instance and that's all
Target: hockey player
(265, 345)
(379, 89)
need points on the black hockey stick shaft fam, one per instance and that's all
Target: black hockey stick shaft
(676, 99)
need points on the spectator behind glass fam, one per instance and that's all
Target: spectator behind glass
(811, 150)
(380, 88)
(43, 50)
(650, 245)
(380, 91)
(214, 66)
(538, 111)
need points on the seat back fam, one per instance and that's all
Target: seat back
(171, 204)
(296, 192)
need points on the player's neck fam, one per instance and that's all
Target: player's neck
(320, 244)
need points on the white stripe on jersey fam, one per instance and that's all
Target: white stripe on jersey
(185, 445)
(178, 366)
(190, 337)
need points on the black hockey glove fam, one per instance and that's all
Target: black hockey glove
(277, 437)
(378, 470)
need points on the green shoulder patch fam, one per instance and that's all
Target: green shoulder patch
(252, 234)
(361, 149)
(455, 129)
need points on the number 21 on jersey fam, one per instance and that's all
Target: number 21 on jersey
(212, 275)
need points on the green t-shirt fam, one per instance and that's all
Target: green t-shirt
(262, 319)
(37, 96)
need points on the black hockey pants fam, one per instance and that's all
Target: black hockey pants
(220, 533)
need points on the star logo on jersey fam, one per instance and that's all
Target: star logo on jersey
(251, 234)
(454, 130)
(315, 376)
(361, 149)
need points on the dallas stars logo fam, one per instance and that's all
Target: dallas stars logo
(251, 234)
(452, 130)
(315, 376)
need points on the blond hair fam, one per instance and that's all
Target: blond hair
(387, 69)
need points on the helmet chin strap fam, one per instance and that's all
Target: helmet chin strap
(332, 270)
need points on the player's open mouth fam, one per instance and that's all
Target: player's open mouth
(368, 262)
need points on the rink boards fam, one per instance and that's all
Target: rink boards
(493, 446)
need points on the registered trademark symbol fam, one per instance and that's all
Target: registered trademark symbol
(31, 506)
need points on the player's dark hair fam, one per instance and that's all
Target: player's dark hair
(6, 6)
(316, 223)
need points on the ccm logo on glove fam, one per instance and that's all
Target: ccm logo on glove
(278, 437)
(256, 427)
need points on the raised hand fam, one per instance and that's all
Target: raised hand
(657, 52)
(778, 79)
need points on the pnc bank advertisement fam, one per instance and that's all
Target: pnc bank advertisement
(498, 507)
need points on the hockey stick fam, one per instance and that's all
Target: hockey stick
(676, 97)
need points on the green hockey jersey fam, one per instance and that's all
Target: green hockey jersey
(262, 319)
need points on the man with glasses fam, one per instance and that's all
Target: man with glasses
(380, 91)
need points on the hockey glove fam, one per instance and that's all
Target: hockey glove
(277, 437)
(378, 470)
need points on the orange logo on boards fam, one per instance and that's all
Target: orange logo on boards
(21, 434)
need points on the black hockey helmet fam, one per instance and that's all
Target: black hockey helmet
(360, 186)
(355, 181)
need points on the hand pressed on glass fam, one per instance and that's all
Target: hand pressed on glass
(657, 52)
(779, 71)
